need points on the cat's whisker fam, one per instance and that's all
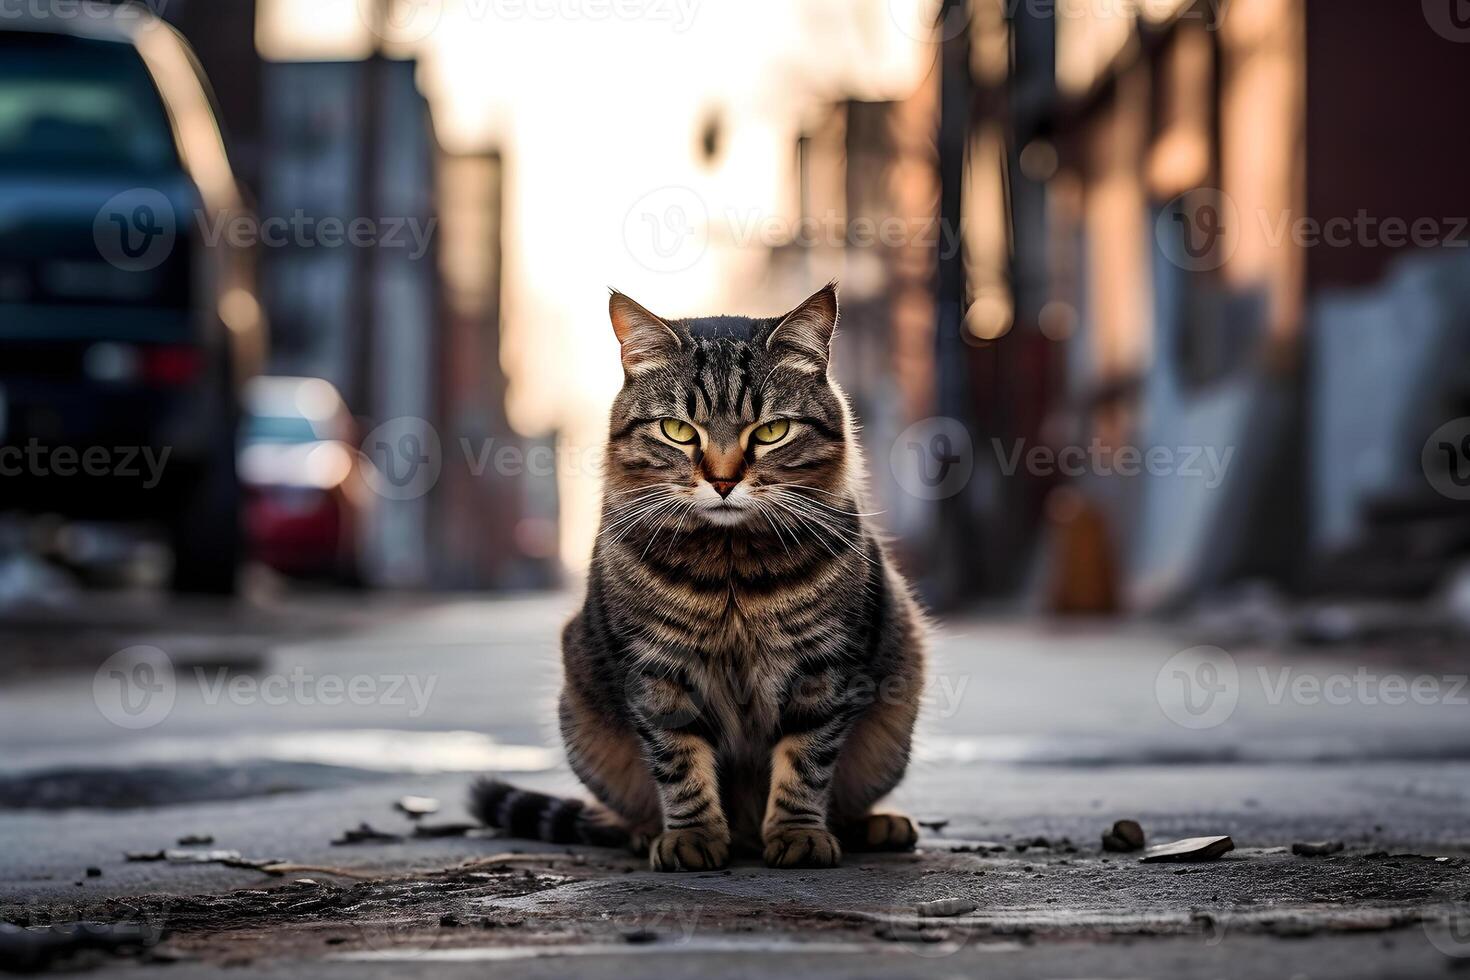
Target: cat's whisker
(790, 488)
(809, 525)
(761, 509)
(620, 528)
(815, 518)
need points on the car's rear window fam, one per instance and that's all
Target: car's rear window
(279, 429)
(74, 104)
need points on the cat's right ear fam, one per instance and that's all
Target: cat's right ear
(648, 342)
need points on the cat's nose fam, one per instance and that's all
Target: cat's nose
(723, 487)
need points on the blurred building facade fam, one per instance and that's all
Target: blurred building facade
(407, 327)
(867, 188)
(1187, 232)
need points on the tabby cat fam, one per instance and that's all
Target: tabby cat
(745, 672)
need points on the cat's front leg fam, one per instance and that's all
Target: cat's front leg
(678, 743)
(815, 722)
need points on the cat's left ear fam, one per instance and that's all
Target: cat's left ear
(648, 341)
(804, 335)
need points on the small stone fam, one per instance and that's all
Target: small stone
(1123, 837)
(94, 872)
(934, 825)
(196, 840)
(417, 806)
(1189, 849)
(1316, 848)
(639, 937)
(449, 921)
(144, 856)
(365, 834)
(945, 907)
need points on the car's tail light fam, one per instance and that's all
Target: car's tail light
(171, 365)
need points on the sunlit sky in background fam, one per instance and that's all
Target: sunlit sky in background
(591, 115)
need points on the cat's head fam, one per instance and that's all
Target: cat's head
(727, 415)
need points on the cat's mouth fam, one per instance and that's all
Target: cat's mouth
(725, 510)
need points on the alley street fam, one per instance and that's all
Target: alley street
(270, 732)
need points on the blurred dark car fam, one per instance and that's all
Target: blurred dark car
(306, 498)
(124, 340)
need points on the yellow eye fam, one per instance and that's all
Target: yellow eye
(771, 432)
(679, 431)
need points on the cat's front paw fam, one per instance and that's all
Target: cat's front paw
(802, 847)
(688, 850)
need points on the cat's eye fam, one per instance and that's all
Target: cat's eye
(771, 432)
(679, 431)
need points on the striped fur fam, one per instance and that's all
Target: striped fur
(745, 671)
(536, 816)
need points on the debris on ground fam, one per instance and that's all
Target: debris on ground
(934, 825)
(417, 807)
(978, 847)
(94, 872)
(196, 840)
(1189, 849)
(945, 907)
(443, 829)
(1125, 836)
(1316, 848)
(364, 834)
(229, 859)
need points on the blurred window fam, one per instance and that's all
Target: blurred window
(279, 429)
(72, 104)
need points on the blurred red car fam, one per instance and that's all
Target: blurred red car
(305, 497)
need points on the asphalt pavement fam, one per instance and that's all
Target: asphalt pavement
(275, 728)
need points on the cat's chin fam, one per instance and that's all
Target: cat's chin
(725, 515)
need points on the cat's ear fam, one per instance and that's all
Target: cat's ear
(804, 335)
(648, 342)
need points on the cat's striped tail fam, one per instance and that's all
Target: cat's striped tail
(537, 816)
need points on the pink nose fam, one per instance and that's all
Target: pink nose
(723, 487)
